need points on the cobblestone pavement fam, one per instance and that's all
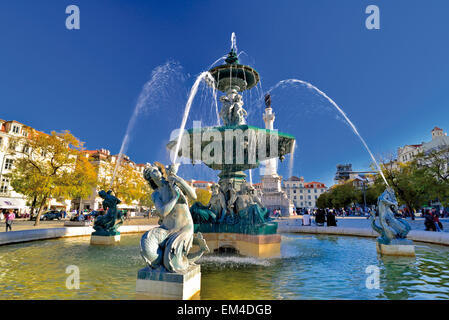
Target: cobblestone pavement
(22, 224)
(363, 222)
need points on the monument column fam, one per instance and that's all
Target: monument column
(273, 196)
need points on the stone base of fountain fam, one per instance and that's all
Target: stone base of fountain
(104, 240)
(406, 250)
(257, 246)
(157, 284)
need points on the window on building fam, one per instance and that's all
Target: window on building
(316, 197)
(300, 191)
(294, 197)
(12, 145)
(26, 149)
(4, 185)
(1, 139)
(308, 191)
(8, 164)
(314, 190)
(15, 129)
(301, 197)
(309, 197)
(294, 191)
(310, 203)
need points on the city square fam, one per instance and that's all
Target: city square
(209, 170)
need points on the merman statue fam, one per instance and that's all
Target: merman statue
(392, 230)
(107, 225)
(168, 245)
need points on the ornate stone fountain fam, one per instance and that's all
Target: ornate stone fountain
(235, 218)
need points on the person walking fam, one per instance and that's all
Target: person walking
(9, 220)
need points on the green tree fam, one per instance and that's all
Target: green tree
(410, 182)
(339, 196)
(435, 175)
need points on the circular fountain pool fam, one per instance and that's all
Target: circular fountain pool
(311, 267)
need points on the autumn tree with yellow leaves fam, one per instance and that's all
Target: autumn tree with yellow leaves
(52, 166)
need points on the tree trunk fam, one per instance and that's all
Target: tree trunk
(412, 212)
(32, 207)
(36, 223)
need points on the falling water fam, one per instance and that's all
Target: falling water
(292, 155)
(216, 61)
(310, 86)
(192, 95)
(155, 87)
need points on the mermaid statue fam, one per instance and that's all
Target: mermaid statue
(167, 246)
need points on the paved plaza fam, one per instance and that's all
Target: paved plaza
(363, 222)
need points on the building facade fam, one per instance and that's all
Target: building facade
(303, 194)
(408, 153)
(12, 134)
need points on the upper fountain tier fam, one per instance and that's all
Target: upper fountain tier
(233, 75)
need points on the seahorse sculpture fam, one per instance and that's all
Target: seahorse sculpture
(169, 244)
(392, 230)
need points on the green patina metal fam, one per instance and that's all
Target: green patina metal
(108, 224)
(241, 136)
(233, 74)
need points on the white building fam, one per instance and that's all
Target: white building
(11, 134)
(408, 152)
(303, 194)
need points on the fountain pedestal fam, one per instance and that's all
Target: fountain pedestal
(104, 240)
(257, 246)
(159, 284)
(406, 250)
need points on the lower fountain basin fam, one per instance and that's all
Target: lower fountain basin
(310, 267)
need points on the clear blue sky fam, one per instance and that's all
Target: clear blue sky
(392, 82)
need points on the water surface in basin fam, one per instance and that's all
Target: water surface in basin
(311, 267)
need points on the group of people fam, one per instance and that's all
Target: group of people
(321, 217)
(432, 220)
